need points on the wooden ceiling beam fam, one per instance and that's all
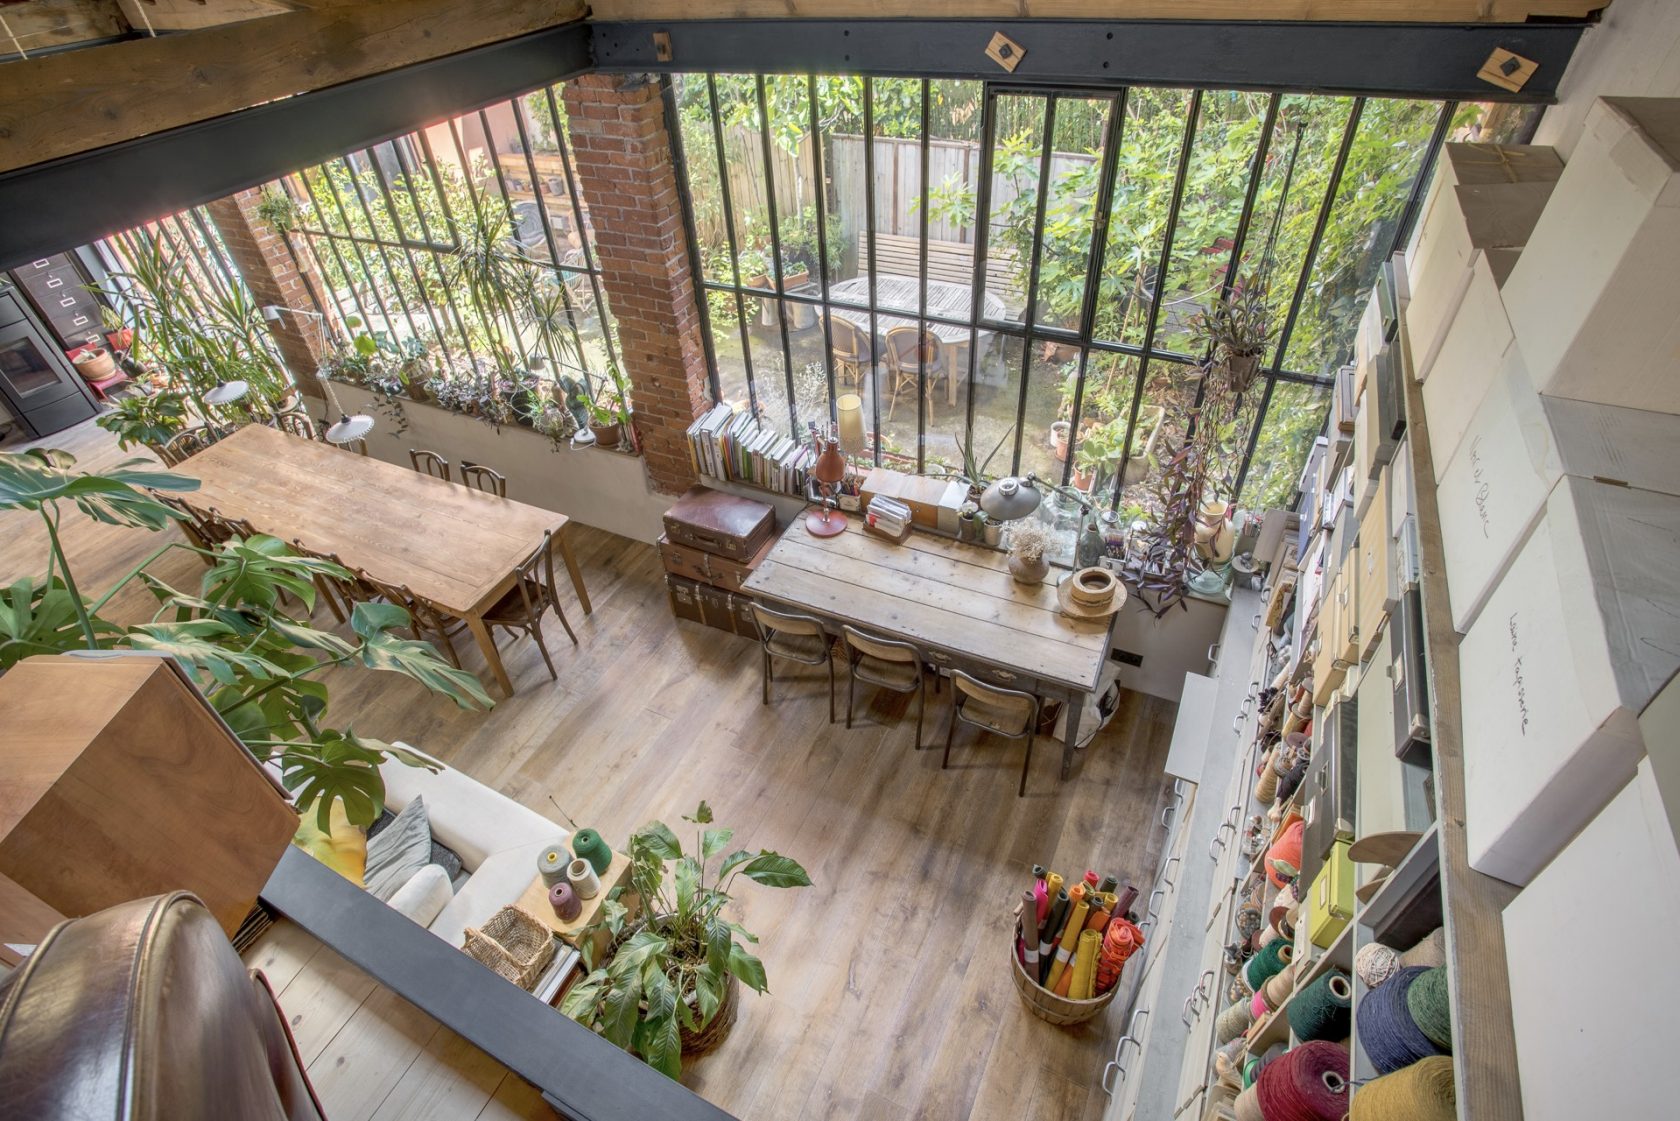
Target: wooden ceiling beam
(45, 25)
(62, 104)
(1359, 11)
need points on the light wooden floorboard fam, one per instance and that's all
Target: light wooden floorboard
(890, 990)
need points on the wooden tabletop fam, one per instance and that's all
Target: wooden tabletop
(453, 546)
(937, 593)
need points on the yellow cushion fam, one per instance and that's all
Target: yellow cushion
(343, 847)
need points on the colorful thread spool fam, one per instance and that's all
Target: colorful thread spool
(1376, 963)
(1391, 1038)
(1247, 1106)
(583, 879)
(1258, 1006)
(1427, 1002)
(551, 865)
(1324, 1009)
(1306, 1083)
(1431, 951)
(565, 902)
(1272, 958)
(1266, 788)
(1233, 1022)
(1279, 985)
(589, 845)
(1423, 1091)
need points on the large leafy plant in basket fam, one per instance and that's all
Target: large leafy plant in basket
(672, 971)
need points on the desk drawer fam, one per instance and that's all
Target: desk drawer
(991, 675)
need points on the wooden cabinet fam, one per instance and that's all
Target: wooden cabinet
(118, 781)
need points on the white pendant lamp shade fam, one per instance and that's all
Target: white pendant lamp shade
(350, 429)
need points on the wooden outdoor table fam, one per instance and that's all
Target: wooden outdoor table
(946, 300)
(954, 601)
(453, 546)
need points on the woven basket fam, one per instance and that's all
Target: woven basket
(1046, 1005)
(714, 1033)
(514, 944)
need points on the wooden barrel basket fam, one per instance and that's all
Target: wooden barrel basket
(1046, 1005)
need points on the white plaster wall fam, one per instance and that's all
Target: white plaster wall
(1634, 52)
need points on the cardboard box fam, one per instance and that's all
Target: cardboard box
(1592, 301)
(1483, 197)
(933, 502)
(1619, 1002)
(1375, 585)
(1516, 448)
(1471, 356)
(1581, 632)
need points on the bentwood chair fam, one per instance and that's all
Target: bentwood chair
(532, 596)
(483, 478)
(885, 664)
(1004, 712)
(906, 366)
(296, 422)
(429, 463)
(425, 622)
(185, 444)
(794, 638)
(219, 527)
(335, 591)
(852, 352)
(358, 446)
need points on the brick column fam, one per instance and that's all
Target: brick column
(629, 181)
(273, 275)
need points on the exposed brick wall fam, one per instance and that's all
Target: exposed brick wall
(628, 178)
(271, 273)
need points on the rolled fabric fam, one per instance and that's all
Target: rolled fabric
(583, 879)
(565, 902)
(1052, 927)
(1069, 939)
(1120, 941)
(590, 845)
(551, 864)
(1052, 892)
(1026, 950)
(1085, 965)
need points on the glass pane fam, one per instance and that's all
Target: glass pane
(1294, 419)
(898, 191)
(1169, 392)
(1386, 156)
(1104, 412)
(954, 125)
(792, 168)
(726, 345)
(1152, 133)
(705, 191)
(1070, 210)
(1017, 152)
(997, 393)
(840, 116)
(1221, 159)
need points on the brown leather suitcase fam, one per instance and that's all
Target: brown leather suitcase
(709, 568)
(724, 525)
(703, 603)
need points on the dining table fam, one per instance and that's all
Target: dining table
(455, 547)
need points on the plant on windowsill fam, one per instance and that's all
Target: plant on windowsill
(1029, 541)
(669, 982)
(975, 472)
(609, 413)
(256, 664)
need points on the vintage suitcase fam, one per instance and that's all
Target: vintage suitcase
(708, 568)
(705, 603)
(1329, 788)
(722, 524)
(1330, 899)
(1411, 683)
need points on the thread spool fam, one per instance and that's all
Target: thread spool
(551, 865)
(1273, 956)
(583, 879)
(1280, 905)
(1427, 1002)
(1306, 1083)
(1430, 952)
(1386, 1030)
(1376, 963)
(1266, 788)
(1423, 1091)
(589, 845)
(1279, 985)
(1324, 1009)
(1258, 1006)
(1291, 781)
(1247, 1106)
(565, 902)
(1233, 1022)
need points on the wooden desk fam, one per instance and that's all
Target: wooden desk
(453, 546)
(955, 601)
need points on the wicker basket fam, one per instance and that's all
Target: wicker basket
(514, 944)
(1046, 1005)
(714, 1033)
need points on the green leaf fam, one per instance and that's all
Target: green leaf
(420, 661)
(687, 877)
(656, 837)
(642, 945)
(336, 767)
(774, 870)
(732, 861)
(661, 995)
(620, 1011)
(582, 998)
(309, 638)
(712, 842)
(718, 944)
(661, 1046)
(748, 968)
(708, 994)
(701, 816)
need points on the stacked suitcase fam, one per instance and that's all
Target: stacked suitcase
(711, 544)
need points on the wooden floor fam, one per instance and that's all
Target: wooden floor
(890, 995)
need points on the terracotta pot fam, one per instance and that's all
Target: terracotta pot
(95, 365)
(1059, 433)
(1028, 572)
(607, 435)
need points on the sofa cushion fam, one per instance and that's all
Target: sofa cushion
(468, 816)
(496, 883)
(424, 896)
(398, 851)
(341, 846)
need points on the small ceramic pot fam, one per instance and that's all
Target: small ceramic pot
(1028, 572)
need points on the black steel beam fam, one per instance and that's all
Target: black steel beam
(582, 1075)
(53, 206)
(1372, 59)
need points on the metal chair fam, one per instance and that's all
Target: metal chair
(184, 445)
(533, 593)
(483, 478)
(429, 463)
(297, 422)
(852, 350)
(906, 365)
(886, 664)
(334, 591)
(1006, 712)
(425, 622)
(794, 638)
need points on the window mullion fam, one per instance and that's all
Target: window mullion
(776, 249)
(1047, 147)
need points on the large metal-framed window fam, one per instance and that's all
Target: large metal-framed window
(1019, 265)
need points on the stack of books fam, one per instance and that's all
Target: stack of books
(727, 444)
(556, 981)
(888, 516)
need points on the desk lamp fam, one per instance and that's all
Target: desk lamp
(1012, 498)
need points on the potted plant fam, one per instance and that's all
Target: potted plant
(668, 983)
(1060, 433)
(1028, 542)
(609, 413)
(974, 472)
(1239, 328)
(141, 419)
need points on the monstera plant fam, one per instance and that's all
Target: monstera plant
(257, 664)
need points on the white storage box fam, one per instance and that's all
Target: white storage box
(1483, 197)
(1581, 632)
(1593, 300)
(1619, 880)
(1470, 359)
(1517, 447)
